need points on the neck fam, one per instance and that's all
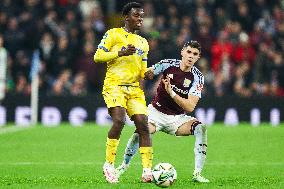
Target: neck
(128, 29)
(185, 68)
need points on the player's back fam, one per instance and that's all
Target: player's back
(125, 70)
(183, 83)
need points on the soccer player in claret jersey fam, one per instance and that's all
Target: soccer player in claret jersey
(178, 92)
(126, 55)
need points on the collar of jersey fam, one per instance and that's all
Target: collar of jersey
(124, 28)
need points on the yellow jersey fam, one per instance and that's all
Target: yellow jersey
(124, 70)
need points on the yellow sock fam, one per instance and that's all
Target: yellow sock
(111, 147)
(146, 156)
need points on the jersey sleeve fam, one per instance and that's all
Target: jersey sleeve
(103, 53)
(197, 86)
(162, 66)
(144, 60)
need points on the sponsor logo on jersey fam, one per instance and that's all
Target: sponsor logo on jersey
(186, 82)
(175, 88)
(140, 52)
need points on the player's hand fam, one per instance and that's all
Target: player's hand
(130, 50)
(167, 84)
(149, 74)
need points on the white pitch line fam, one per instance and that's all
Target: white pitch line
(50, 163)
(98, 163)
(245, 163)
(12, 129)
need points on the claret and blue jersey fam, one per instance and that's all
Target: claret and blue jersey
(183, 83)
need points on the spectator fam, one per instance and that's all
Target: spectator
(220, 49)
(87, 6)
(61, 57)
(243, 51)
(14, 36)
(79, 87)
(67, 31)
(241, 82)
(22, 86)
(62, 84)
(262, 71)
(94, 72)
(277, 82)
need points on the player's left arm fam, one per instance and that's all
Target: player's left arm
(158, 68)
(144, 60)
(189, 103)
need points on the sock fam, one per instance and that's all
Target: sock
(131, 148)
(111, 147)
(146, 156)
(200, 147)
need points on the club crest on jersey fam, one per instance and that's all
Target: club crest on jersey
(186, 82)
(171, 76)
(199, 87)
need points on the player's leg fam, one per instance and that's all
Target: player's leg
(131, 149)
(196, 128)
(145, 145)
(114, 98)
(137, 110)
(118, 117)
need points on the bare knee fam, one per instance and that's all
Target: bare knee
(188, 128)
(141, 122)
(152, 128)
(118, 121)
(142, 128)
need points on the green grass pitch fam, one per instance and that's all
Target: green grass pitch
(69, 157)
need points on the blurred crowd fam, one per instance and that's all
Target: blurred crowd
(242, 42)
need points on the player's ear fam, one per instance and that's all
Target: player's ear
(126, 18)
(181, 51)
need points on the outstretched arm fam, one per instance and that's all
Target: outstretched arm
(158, 68)
(149, 74)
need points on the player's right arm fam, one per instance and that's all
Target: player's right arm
(103, 53)
(158, 68)
(189, 103)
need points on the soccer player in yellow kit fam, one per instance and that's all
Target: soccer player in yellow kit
(126, 55)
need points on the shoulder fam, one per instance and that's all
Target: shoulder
(143, 42)
(113, 31)
(173, 62)
(197, 74)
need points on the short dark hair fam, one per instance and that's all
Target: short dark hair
(193, 44)
(127, 8)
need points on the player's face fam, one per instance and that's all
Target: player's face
(190, 55)
(135, 18)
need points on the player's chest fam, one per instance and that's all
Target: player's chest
(180, 81)
(123, 40)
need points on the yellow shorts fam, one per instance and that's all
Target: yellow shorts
(129, 97)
